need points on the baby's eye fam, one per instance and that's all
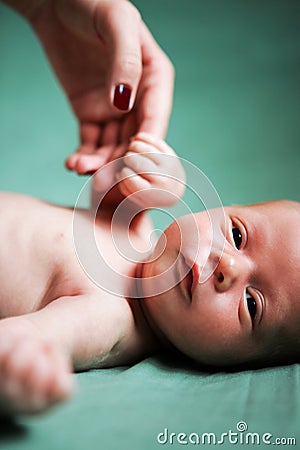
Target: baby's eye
(237, 237)
(251, 303)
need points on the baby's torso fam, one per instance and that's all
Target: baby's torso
(38, 261)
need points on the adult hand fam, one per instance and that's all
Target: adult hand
(117, 78)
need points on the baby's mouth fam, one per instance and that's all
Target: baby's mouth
(186, 277)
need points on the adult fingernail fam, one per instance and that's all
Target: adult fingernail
(122, 97)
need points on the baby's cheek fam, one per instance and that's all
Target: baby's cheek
(212, 325)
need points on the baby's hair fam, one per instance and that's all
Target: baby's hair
(285, 352)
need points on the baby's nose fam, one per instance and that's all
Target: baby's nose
(230, 269)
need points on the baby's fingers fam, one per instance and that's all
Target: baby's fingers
(148, 151)
(149, 192)
(153, 141)
(137, 188)
(140, 163)
(131, 182)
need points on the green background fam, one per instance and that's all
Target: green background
(236, 116)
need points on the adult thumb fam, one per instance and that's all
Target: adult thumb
(119, 25)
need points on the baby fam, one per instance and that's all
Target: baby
(55, 319)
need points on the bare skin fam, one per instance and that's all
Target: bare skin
(54, 318)
(249, 303)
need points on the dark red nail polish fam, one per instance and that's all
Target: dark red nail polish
(122, 97)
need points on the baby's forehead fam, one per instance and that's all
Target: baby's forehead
(274, 235)
(281, 220)
(275, 209)
(282, 216)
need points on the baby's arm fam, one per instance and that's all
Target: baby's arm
(150, 174)
(39, 350)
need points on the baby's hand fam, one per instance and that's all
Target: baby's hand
(152, 173)
(34, 375)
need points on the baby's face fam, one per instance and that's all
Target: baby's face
(251, 297)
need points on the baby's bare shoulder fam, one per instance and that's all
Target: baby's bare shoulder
(12, 199)
(15, 204)
(31, 251)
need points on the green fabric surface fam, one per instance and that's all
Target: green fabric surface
(236, 116)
